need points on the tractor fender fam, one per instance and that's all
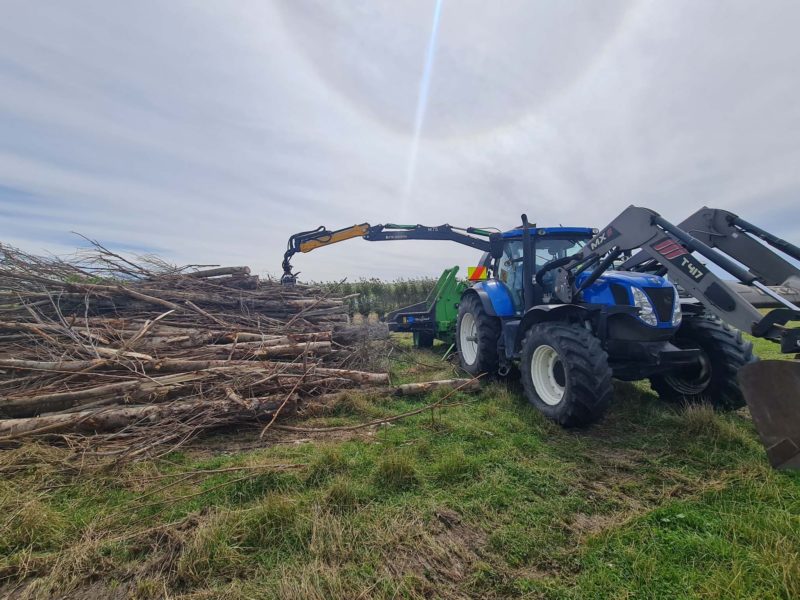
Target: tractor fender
(494, 296)
(546, 313)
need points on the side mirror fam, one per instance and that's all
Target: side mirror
(496, 245)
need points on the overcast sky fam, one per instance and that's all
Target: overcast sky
(209, 131)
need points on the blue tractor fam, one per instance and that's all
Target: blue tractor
(622, 325)
(574, 307)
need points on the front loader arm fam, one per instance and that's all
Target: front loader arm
(741, 240)
(671, 247)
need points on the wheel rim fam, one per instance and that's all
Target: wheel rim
(468, 339)
(692, 380)
(547, 373)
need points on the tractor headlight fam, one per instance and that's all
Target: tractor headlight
(646, 311)
(677, 314)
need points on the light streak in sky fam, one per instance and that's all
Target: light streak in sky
(422, 104)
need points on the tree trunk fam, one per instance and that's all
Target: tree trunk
(220, 271)
(117, 418)
(111, 393)
(413, 389)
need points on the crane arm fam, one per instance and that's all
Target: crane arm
(306, 241)
(325, 237)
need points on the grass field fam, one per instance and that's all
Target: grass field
(479, 499)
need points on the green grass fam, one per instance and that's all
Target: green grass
(485, 499)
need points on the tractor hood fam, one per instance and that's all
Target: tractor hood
(625, 278)
(625, 288)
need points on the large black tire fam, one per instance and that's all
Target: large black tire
(486, 330)
(578, 366)
(423, 339)
(723, 353)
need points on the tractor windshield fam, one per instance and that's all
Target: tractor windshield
(510, 269)
(548, 249)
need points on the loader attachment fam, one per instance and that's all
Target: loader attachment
(770, 388)
(772, 391)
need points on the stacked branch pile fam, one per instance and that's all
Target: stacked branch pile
(155, 354)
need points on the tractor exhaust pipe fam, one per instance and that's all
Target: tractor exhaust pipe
(527, 264)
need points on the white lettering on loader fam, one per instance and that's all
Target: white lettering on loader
(694, 271)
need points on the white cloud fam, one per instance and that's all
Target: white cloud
(212, 131)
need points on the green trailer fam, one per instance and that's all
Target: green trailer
(435, 317)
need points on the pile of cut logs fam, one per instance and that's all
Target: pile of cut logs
(144, 356)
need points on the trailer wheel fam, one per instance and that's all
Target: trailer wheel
(476, 337)
(723, 353)
(423, 339)
(565, 373)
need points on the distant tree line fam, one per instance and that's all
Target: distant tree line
(378, 296)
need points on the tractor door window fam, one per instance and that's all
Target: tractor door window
(510, 271)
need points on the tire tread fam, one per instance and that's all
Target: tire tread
(728, 352)
(488, 328)
(589, 376)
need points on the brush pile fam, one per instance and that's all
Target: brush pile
(132, 356)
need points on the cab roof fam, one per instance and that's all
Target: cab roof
(580, 231)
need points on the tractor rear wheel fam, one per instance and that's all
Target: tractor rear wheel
(723, 352)
(565, 373)
(476, 337)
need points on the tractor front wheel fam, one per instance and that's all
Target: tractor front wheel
(723, 352)
(476, 337)
(565, 373)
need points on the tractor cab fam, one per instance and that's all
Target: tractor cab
(547, 244)
(633, 313)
